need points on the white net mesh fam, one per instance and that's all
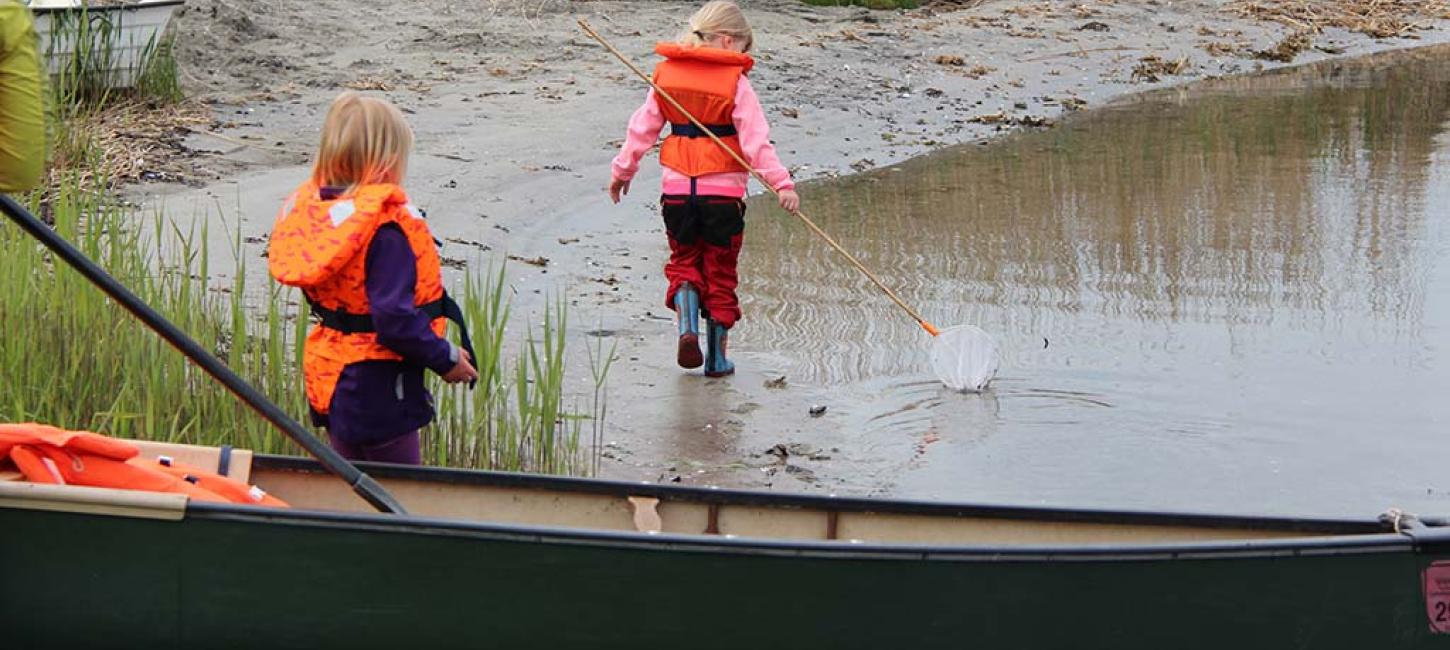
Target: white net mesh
(964, 358)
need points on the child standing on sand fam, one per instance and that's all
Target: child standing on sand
(368, 265)
(702, 202)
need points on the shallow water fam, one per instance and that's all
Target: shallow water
(1234, 297)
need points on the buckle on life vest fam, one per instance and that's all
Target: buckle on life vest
(350, 323)
(689, 130)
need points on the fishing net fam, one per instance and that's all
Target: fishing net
(964, 358)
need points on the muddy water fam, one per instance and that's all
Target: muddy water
(1234, 297)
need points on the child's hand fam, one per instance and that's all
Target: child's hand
(462, 371)
(789, 200)
(618, 188)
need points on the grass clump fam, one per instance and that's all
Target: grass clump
(516, 417)
(110, 124)
(73, 358)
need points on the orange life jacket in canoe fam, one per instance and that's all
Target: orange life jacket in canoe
(321, 246)
(703, 80)
(45, 454)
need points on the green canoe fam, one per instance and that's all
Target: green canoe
(503, 560)
(439, 558)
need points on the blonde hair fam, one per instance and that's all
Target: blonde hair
(364, 140)
(719, 17)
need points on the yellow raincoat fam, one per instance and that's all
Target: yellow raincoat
(22, 109)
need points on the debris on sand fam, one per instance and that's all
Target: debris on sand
(1153, 68)
(801, 473)
(467, 242)
(540, 261)
(369, 83)
(944, 6)
(950, 60)
(784, 450)
(818, 410)
(1003, 120)
(1289, 48)
(1032, 10)
(1375, 18)
(1224, 48)
(131, 140)
(978, 71)
(777, 383)
(1094, 26)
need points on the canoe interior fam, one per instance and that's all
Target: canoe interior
(601, 505)
(556, 502)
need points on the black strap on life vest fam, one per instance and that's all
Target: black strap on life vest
(689, 130)
(350, 323)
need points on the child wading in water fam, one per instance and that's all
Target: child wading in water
(703, 186)
(365, 259)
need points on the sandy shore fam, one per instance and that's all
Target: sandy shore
(518, 114)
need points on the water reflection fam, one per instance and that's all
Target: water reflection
(1297, 199)
(1228, 261)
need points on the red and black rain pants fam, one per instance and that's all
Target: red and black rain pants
(705, 235)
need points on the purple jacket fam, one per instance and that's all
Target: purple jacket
(376, 401)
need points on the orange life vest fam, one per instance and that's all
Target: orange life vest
(703, 80)
(321, 246)
(45, 454)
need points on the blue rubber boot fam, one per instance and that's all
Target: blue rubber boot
(687, 306)
(716, 365)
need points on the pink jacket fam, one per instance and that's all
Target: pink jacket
(749, 119)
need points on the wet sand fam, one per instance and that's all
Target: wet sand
(518, 114)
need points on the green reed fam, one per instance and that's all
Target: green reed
(158, 78)
(88, 94)
(73, 358)
(514, 417)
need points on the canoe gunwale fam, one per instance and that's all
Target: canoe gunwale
(99, 9)
(725, 496)
(839, 550)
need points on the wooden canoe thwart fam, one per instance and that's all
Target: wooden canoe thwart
(524, 561)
